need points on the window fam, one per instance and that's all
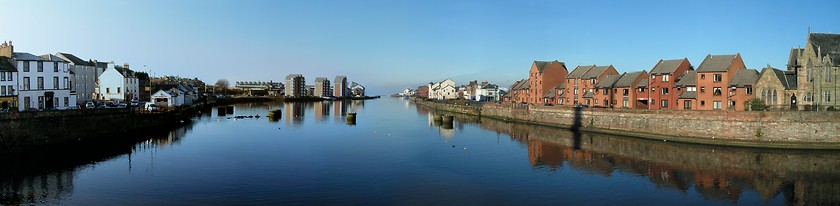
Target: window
(702, 76)
(3, 76)
(606, 102)
(764, 96)
(592, 81)
(702, 103)
(26, 84)
(40, 66)
(641, 89)
(664, 103)
(606, 91)
(55, 82)
(40, 102)
(664, 91)
(827, 96)
(3, 90)
(40, 83)
(576, 90)
(827, 75)
(731, 103)
(66, 101)
(653, 78)
(626, 91)
(718, 77)
(26, 104)
(55, 66)
(108, 90)
(666, 77)
(808, 74)
(691, 89)
(718, 91)
(615, 102)
(66, 83)
(26, 67)
(687, 104)
(702, 89)
(716, 105)
(587, 102)
(120, 91)
(624, 104)
(749, 90)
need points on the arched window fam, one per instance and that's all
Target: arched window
(808, 97)
(775, 97)
(808, 74)
(764, 96)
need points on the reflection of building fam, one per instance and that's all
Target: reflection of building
(41, 189)
(322, 109)
(294, 112)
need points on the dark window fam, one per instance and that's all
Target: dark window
(55, 82)
(626, 91)
(718, 91)
(718, 77)
(40, 83)
(26, 84)
(40, 66)
(702, 76)
(55, 66)
(26, 68)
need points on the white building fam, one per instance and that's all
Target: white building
(487, 92)
(295, 85)
(43, 82)
(322, 87)
(407, 92)
(356, 89)
(168, 98)
(118, 83)
(443, 90)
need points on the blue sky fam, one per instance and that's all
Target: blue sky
(389, 45)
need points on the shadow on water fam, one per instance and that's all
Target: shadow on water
(46, 176)
(715, 173)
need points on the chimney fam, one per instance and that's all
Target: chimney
(125, 66)
(7, 49)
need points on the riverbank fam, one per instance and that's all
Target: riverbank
(779, 130)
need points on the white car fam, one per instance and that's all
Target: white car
(150, 107)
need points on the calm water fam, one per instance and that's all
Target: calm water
(397, 154)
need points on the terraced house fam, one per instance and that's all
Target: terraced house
(544, 75)
(626, 91)
(663, 77)
(589, 79)
(603, 91)
(713, 78)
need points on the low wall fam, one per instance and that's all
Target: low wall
(28, 130)
(775, 129)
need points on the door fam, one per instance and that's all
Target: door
(793, 102)
(48, 101)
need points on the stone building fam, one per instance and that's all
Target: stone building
(810, 81)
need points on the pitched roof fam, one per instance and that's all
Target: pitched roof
(688, 78)
(608, 81)
(7, 64)
(23, 56)
(588, 95)
(627, 79)
(826, 44)
(643, 83)
(551, 93)
(786, 78)
(744, 77)
(688, 95)
(716, 63)
(74, 59)
(667, 66)
(595, 71)
(521, 84)
(541, 65)
(562, 85)
(579, 71)
(52, 58)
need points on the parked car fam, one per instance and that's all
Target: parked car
(135, 103)
(150, 107)
(90, 105)
(122, 105)
(74, 107)
(103, 107)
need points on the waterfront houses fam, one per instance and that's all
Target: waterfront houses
(443, 90)
(8, 84)
(322, 87)
(686, 86)
(487, 92)
(741, 89)
(603, 91)
(777, 88)
(295, 85)
(46, 82)
(256, 88)
(629, 91)
(663, 76)
(713, 77)
(544, 75)
(520, 91)
(118, 84)
(423, 91)
(356, 89)
(84, 76)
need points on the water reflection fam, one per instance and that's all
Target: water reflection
(47, 176)
(716, 173)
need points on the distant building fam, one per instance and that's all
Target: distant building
(84, 76)
(340, 88)
(663, 77)
(322, 87)
(45, 82)
(256, 88)
(118, 83)
(407, 92)
(487, 92)
(422, 91)
(357, 90)
(295, 85)
(443, 90)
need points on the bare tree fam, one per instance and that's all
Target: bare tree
(223, 84)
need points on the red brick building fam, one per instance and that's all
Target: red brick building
(574, 87)
(625, 94)
(591, 78)
(741, 89)
(603, 91)
(686, 87)
(713, 78)
(663, 76)
(422, 91)
(520, 91)
(544, 76)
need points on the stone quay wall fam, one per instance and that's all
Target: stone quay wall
(30, 130)
(773, 129)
